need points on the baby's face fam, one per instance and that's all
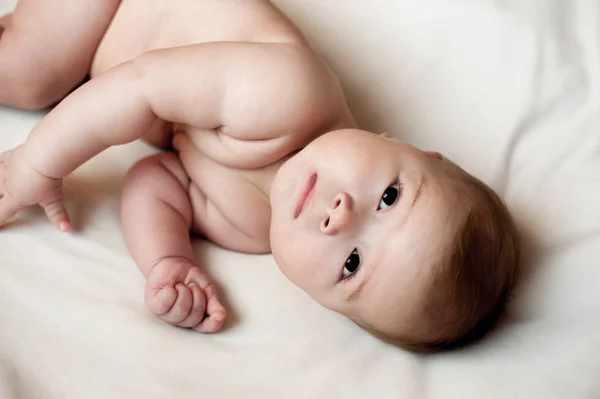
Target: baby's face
(361, 221)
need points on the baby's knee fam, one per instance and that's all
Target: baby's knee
(27, 81)
(34, 97)
(25, 86)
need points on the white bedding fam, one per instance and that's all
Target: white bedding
(508, 89)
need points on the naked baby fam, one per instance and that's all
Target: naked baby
(261, 155)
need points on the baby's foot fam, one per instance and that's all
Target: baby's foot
(181, 294)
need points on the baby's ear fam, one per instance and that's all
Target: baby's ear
(434, 154)
(387, 136)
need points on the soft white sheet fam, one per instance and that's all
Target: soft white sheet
(508, 89)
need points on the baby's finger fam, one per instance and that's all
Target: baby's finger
(181, 308)
(57, 213)
(212, 323)
(160, 300)
(8, 209)
(215, 310)
(213, 304)
(198, 306)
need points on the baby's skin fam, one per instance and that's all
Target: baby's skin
(233, 91)
(231, 85)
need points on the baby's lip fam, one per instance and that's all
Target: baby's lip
(305, 195)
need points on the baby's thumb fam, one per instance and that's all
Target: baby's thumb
(57, 213)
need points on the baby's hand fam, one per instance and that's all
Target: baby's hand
(183, 295)
(21, 186)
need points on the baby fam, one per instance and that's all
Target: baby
(265, 157)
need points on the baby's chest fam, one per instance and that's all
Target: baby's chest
(239, 197)
(231, 203)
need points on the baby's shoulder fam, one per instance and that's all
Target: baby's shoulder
(274, 109)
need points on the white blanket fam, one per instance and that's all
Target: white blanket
(508, 89)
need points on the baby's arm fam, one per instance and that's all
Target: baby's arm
(156, 217)
(109, 110)
(208, 86)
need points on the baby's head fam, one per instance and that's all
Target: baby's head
(402, 241)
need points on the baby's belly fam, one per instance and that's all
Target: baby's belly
(143, 25)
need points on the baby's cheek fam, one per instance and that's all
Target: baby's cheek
(297, 255)
(284, 252)
(294, 266)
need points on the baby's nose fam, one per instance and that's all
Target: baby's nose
(339, 216)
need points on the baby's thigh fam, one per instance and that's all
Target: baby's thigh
(48, 46)
(64, 24)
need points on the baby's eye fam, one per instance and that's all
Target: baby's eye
(390, 196)
(352, 264)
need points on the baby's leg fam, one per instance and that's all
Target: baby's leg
(47, 46)
(156, 218)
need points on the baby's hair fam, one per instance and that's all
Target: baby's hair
(468, 293)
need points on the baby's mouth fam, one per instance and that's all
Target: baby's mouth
(305, 195)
